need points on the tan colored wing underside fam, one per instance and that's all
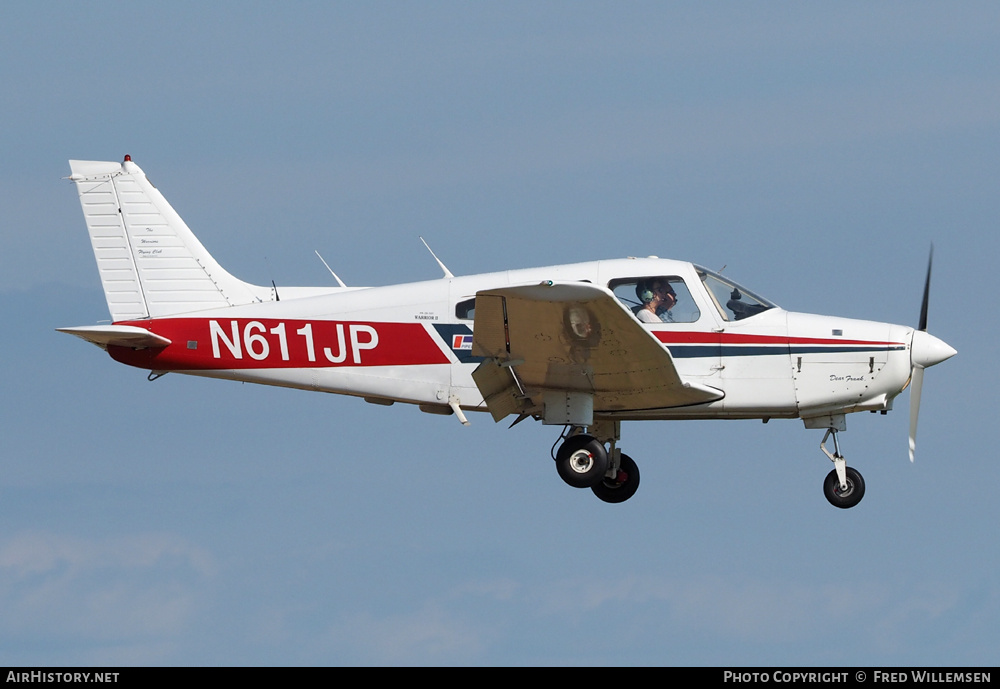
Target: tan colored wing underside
(577, 337)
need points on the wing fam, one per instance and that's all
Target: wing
(572, 338)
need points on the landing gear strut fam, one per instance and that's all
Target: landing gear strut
(583, 462)
(844, 486)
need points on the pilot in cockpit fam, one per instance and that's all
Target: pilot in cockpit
(657, 297)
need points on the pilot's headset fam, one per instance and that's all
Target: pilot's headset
(644, 291)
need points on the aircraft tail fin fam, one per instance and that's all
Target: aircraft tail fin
(151, 264)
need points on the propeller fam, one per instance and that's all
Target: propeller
(925, 350)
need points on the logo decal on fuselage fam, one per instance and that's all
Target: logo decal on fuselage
(458, 338)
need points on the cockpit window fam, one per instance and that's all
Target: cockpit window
(735, 302)
(657, 298)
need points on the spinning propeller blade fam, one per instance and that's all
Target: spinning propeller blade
(916, 383)
(927, 293)
(925, 350)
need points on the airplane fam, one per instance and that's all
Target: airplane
(583, 346)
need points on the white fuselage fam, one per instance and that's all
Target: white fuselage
(413, 343)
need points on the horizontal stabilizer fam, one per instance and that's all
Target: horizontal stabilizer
(117, 335)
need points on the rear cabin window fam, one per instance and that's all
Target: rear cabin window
(466, 310)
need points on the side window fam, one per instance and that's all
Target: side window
(466, 310)
(657, 299)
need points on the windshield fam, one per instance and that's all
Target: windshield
(735, 302)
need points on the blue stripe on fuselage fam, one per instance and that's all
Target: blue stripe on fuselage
(703, 351)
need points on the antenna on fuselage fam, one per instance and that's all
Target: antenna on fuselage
(339, 281)
(447, 273)
(268, 264)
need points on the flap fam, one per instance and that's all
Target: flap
(578, 337)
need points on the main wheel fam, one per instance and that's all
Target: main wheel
(623, 486)
(844, 498)
(582, 461)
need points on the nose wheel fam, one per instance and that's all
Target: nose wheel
(844, 497)
(844, 486)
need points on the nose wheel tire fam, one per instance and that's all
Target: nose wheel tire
(582, 461)
(844, 498)
(623, 486)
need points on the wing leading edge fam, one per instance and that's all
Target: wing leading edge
(572, 338)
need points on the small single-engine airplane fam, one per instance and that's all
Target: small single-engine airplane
(583, 346)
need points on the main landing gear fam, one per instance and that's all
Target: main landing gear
(583, 462)
(844, 487)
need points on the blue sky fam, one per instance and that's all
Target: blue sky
(815, 150)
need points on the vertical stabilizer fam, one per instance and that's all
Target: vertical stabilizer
(151, 264)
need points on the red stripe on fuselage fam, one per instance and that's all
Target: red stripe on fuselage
(247, 343)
